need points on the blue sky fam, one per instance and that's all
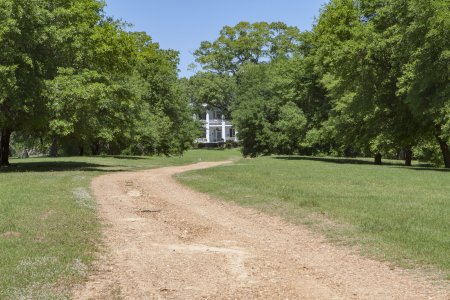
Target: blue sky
(182, 24)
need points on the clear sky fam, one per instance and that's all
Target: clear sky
(182, 24)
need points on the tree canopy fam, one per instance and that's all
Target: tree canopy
(247, 43)
(77, 78)
(371, 78)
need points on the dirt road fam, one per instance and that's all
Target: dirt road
(165, 241)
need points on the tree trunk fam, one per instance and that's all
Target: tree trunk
(408, 157)
(54, 147)
(378, 157)
(445, 151)
(25, 154)
(4, 147)
(95, 148)
(81, 150)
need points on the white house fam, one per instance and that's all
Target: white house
(216, 129)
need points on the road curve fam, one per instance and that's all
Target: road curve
(165, 241)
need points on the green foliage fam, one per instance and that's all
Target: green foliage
(163, 103)
(253, 111)
(290, 128)
(425, 81)
(130, 104)
(71, 75)
(215, 90)
(25, 145)
(22, 71)
(372, 77)
(366, 51)
(89, 106)
(268, 119)
(248, 43)
(428, 151)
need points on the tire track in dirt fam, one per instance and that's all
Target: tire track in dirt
(165, 241)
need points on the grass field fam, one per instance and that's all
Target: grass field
(48, 226)
(390, 212)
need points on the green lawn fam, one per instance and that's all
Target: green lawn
(391, 212)
(48, 225)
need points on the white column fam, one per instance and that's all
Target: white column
(224, 134)
(207, 127)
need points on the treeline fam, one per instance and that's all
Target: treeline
(372, 78)
(75, 81)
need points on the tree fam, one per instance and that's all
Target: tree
(171, 129)
(22, 37)
(371, 78)
(357, 50)
(90, 108)
(247, 43)
(90, 100)
(253, 114)
(295, 80)
(132, 105)
(69, 73)
(290, 129)
(215, 90)
(425, 81)
(37, 38)
(267, 111)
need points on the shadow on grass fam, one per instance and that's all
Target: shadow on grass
(336, 160)
(426, 167)
(359, 161)
(60, 166)
(124, 157)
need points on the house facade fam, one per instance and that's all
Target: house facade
(216, 129)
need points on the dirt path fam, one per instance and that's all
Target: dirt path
(166, 241)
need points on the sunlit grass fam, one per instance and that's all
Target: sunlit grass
(391, 212)
(49, 230)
